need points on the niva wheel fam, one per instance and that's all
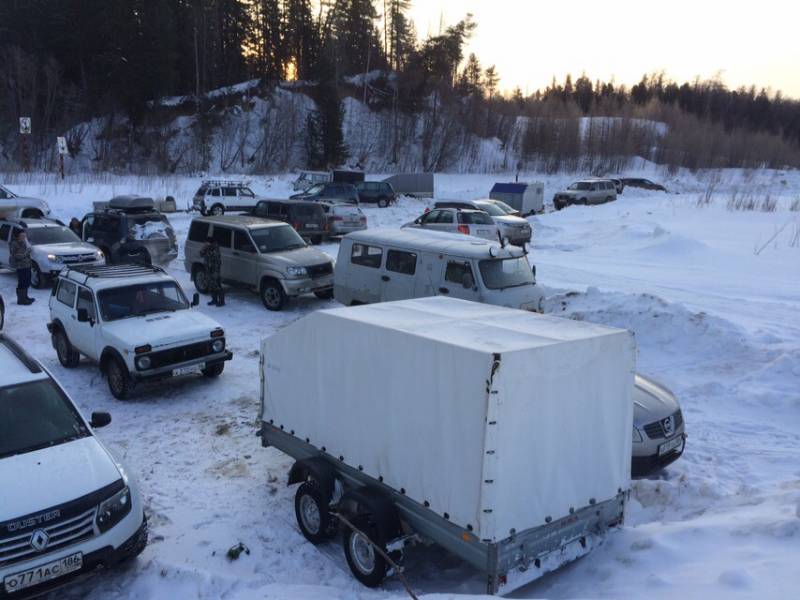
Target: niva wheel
(119, 382)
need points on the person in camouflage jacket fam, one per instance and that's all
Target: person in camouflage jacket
(19, 251)
(213, 263)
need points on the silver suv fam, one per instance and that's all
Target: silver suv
(586, 191)
(263, 255)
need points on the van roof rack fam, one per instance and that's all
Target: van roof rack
(113, 271)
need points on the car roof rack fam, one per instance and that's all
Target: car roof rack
(113, 271)
(233, 182)
(20, 354)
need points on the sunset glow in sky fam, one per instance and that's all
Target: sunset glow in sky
(530, 41)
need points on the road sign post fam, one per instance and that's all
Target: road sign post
(25, 131)
(62, 150)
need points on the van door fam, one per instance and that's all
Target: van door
(224, 236)
(398, 276)
(365, 272)
(458, 280)
(244, 258)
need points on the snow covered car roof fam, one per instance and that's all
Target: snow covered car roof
(437, 241)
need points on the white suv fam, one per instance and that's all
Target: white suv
(136, 323)
(216, 197)
(67, 506)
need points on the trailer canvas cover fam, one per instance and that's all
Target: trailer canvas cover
(501, 418)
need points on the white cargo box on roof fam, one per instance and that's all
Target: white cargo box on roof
(503, 419)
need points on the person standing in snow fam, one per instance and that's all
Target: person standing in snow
(213, 263)
(20, 259)
(75, 226)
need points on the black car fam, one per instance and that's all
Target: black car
(131, 230)
(343, 192)
(376, 192)
(642, 183)
(307, 218)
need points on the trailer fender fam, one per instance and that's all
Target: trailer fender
(317, 469)
(372, 501)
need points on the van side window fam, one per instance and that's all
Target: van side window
(228, 191)
(66, 292)
(401, 262)
(85, 300)
(198, 231)
(222, 235)
(242, 243)
(456, 271)
(366, 256)
(215, 192)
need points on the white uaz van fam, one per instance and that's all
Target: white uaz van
(67, 506)
(389, 264)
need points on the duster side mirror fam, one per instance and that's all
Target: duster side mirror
(195, 299)
(533, 270)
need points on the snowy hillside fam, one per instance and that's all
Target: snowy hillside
(712, 294)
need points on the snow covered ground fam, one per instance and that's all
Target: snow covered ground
(713, 296)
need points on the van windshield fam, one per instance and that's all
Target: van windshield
(36, 415)
(137, 300)
(580, 185)
(501, 273)
(275, 239)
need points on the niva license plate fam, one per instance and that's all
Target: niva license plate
(188, 370)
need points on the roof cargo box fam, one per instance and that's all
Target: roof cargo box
(132, 203)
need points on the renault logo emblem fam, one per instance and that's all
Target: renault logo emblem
(669, 426)
(39, 540)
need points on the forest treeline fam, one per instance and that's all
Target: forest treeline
(66, 62)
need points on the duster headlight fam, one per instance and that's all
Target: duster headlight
(112, 511)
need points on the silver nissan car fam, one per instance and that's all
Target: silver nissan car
(659, 436)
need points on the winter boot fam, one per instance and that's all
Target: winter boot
(28, 298)
(22, 297)
(213, 301)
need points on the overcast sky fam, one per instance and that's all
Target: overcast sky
(530, 41)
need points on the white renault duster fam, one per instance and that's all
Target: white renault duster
(135, 322)
(67, 506)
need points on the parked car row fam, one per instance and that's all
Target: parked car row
(136, 323)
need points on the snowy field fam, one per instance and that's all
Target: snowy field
(713, 296)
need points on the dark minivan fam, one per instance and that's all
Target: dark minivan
(307, 218)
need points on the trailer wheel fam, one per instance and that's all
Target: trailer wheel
(313, 516)
(366, 564)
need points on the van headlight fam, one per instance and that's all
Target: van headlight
(218, 345)
(296, 271)
(112, 511)
(53, 258)
(143, 363)
(637, 436)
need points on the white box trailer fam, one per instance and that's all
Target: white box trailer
(500, 434)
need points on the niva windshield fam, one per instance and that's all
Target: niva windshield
(137, 300)
(275, 239)
(501, 273)
(36, 415)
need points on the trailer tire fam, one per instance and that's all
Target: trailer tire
(366, 564)
(313, 516)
